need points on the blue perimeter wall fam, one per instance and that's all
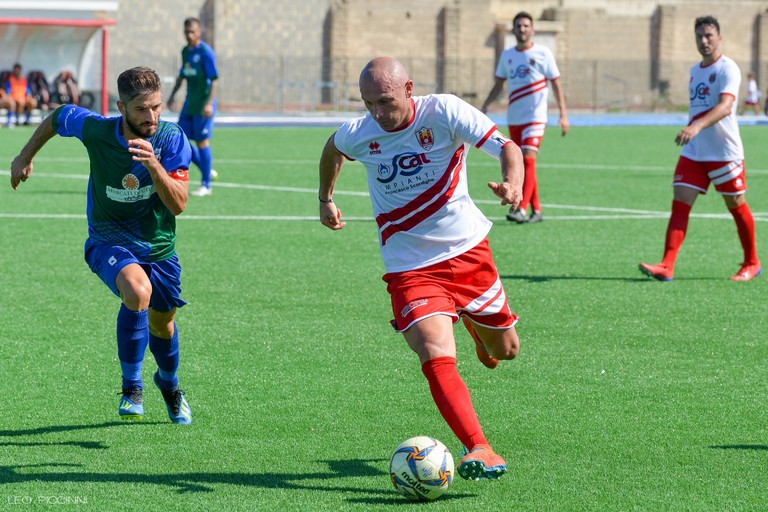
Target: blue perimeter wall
(576, 119)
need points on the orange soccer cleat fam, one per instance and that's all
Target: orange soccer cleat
(747, 272)
(482, 462)
(659, 272)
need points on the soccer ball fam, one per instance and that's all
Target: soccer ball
(421, 469)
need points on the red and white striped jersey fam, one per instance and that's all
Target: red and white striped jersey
(721, 142)
(526, 73)
(417, 179)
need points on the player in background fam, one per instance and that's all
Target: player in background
(198, 68)
(137, 185)
(752, 98)
(433, 238)
(526, 68)
(21, 94)
(712, 154)
(7, 103)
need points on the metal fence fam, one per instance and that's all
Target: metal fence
(300, 84)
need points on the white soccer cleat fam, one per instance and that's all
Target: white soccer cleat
(202, 192)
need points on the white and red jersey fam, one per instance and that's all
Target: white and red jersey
(527, 73)
(753, 93)
(417, 179)
(720, 142)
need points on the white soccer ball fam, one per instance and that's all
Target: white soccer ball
(214, 175)
(421, 469)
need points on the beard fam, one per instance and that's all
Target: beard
(144, 131)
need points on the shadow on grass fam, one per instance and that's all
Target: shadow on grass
(740, 447)
(200, 482)
(638, 279)
(58, 428)
(544, 279)
(89, 445)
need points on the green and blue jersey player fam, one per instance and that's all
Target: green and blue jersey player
(198, 69)
(137, 185)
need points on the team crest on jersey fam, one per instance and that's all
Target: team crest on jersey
(712, 78)
(532, 62)
(425, 137)
(132, 190)
(130, 182)
(375, 148)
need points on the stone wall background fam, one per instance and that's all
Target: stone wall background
(280, 55)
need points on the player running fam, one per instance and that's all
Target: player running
(712, 153)
(137, 185)
(526, 67)
(433, 238)
(198, 68)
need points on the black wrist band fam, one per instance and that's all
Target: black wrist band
(329, 200)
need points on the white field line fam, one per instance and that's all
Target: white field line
(260, 164)
(607, 212)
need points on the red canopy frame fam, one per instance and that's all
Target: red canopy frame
(100, 23)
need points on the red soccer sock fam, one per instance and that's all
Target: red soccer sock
(529, 184)
(453, 401)
(745, 224)
(676, 229)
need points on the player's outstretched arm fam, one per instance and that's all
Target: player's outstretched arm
(330, 165)
(510, 189)
(21, 167)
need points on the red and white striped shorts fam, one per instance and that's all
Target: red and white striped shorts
(466, 285)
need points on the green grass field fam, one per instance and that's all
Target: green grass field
(628, 394)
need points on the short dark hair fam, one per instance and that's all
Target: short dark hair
(522, 14)
(191, 21)
(706, 20)
(138, 81)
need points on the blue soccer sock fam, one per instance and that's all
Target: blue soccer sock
(166, 354)
(206, 161)
(132, 339)
(196, 156)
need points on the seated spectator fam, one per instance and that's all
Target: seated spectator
(38, 84)
(65, 88)
(7, 103)
(18, 88)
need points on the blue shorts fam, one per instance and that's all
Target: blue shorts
(106, 261)
(197, 128)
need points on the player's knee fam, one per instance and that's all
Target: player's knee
(161, 330)
(508, 349)
(136, 294)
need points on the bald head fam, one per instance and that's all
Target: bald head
(384, 72)
(386, 91)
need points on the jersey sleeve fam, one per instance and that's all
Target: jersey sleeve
(68, 120)
(211, 71)
(731, 80)
(340, 139)
(551, 70)
(474, 127)
(177, 154)
(501, 67)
